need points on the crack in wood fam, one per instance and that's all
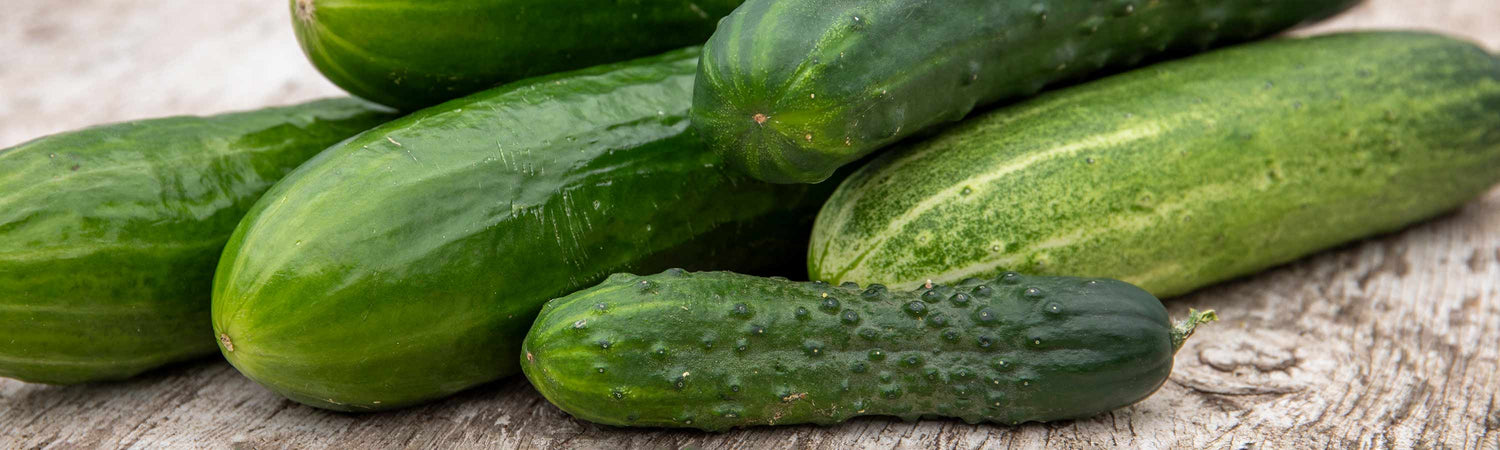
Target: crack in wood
(1492, 416)
(1235, 391)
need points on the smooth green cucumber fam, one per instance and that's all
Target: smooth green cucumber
(717, 350)
(407, 263)
(109, 235)
(1183, 174)
(791, 90)
(415, 53)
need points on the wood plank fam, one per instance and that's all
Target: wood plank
(1390, 342)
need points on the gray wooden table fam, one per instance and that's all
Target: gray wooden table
(1390, 342)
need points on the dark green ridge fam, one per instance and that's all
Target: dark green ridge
(416, 53)
(790, 90)
(109, 235)
(408, 262)
(1183, 174)
(717, 350)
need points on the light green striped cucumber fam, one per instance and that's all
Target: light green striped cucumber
(1183, 174)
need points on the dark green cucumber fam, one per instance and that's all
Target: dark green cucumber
(790, 90)
(109, 235)
(717, 350)
(1183, 174)
(407, 263)
(415, 53)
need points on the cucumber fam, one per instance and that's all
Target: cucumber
(717, 350)
(407, 263)
(1184, 174)
(788, 91)
(109, 235)
(415, 53)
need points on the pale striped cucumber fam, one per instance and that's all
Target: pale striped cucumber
(1182, 174)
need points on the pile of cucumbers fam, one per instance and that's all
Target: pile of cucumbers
(987, 199)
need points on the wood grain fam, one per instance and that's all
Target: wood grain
(1393, 342)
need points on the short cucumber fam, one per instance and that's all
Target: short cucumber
(415, 53)
(716, 350)
(109, 235)
(407, 263)
(1183, 174)
(790, 90)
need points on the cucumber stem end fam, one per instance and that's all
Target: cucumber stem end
(1184, 329)
(305, 11)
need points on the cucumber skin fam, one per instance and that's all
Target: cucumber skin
(109, 235)
(382, 275)
(829, 96)
(1108, 345)
(1184, 174)
(415, 53)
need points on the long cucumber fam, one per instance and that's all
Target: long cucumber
(416, 53)
(791, 90)
(109, 235)
(717, 350)
(1182, 174)
(408, 262)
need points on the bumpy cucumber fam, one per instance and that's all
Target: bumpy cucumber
(407, 263)
(109, 235)
(790, 90)
(717, 350)
(415, 53)
(1183, 174)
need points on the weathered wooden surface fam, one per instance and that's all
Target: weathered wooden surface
(67, 64)
(1391, 342)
